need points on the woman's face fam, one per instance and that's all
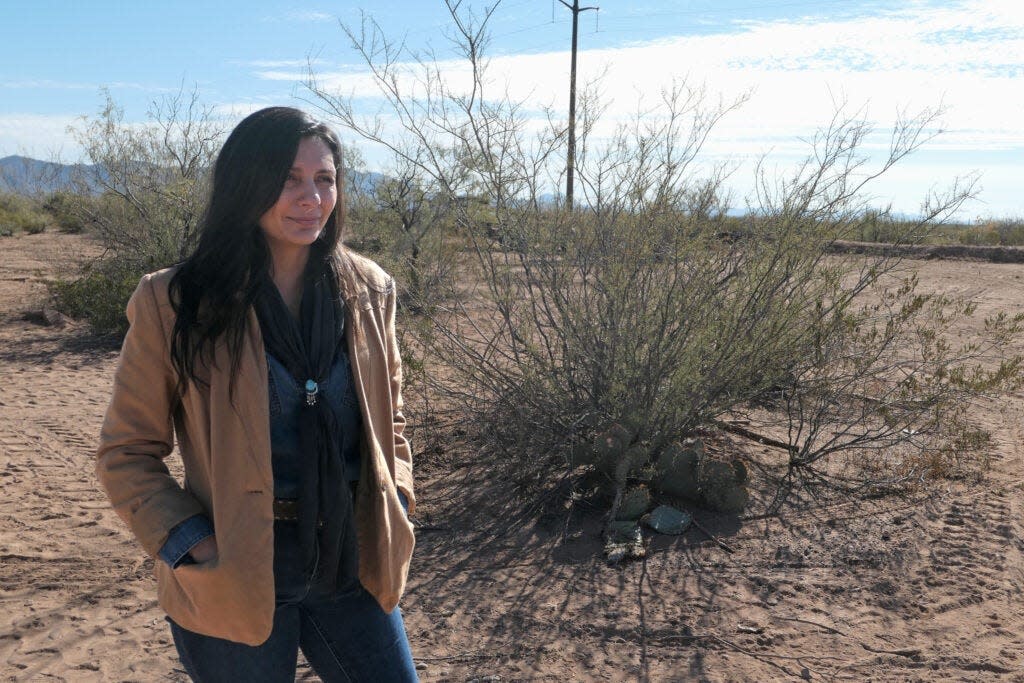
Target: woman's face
(306, 201)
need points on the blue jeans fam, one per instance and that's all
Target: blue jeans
(346, 636)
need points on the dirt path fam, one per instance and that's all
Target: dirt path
(76, 599)
(884, 590)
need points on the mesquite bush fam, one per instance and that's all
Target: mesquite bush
(647, 304)
(142, 195)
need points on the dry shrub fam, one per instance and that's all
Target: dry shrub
(20, 214)
(99, 295)
(142, 195)
(67, 210)
(405, 223)
(645, 305)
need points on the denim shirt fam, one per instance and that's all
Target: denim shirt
(286, 398)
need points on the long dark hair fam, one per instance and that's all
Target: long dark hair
(214, 288)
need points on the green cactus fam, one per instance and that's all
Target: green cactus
(720, 487)
(613, 440)
(677, 470)
(635, 502)
(615, 454)
(741, 471)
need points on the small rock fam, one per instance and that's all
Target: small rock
(53, 317)
(805, 673)
(665, 519)
(624, 539)
(615, 552)
(421, 666)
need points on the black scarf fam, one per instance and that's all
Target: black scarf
(307, 348)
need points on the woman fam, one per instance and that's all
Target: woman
(271, 355)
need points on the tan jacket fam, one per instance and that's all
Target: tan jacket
(225, 448)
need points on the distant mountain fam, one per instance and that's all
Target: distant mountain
(364, 181)
(32, 176)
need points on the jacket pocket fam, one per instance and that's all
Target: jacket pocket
(215, 599)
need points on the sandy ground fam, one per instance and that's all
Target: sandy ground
(896, 589)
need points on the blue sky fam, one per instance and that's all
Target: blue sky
(794, 58)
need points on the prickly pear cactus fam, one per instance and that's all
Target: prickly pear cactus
(741, 471)
(680, 469)
(609, 448)
(676, 470)
(635, 502)
(721, 486)
(613, 440)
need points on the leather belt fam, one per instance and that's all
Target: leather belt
(287, 510)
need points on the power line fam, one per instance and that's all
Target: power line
(631, 23)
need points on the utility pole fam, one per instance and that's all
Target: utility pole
(570, 164)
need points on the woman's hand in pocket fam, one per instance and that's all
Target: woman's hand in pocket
(205, 550)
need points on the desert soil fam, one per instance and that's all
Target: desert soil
(915, 588)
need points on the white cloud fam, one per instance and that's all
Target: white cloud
(229, 110)
(36, 84)
(48, 84)
(310, 15)
(279, 63)
(233, 112)
(971, 57)
(301, 16)
(280, 75)
(967, 57)
(51, 132)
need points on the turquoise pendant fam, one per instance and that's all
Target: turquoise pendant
(312, 388)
